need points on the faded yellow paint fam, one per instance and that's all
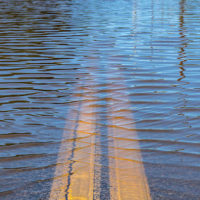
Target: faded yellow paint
(126, 170)
(127, 176)
(82, 163)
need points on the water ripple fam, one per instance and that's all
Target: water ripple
(138, 59)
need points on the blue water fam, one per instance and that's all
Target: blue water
(50, 49)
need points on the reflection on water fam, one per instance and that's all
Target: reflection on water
(182, 55)
(50, 51)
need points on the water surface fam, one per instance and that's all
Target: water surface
(51, 50)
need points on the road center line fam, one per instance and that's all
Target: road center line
(74, 174)
(127, 175)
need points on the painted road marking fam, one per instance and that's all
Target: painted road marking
(127, 175)
(74, 177)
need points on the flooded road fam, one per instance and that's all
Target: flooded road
(99, 100)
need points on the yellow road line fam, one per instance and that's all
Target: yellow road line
(74, 176)
(75, 168)
(127, 176)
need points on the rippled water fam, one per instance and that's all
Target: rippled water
(137, 56)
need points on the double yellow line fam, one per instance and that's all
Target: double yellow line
(74, 175)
